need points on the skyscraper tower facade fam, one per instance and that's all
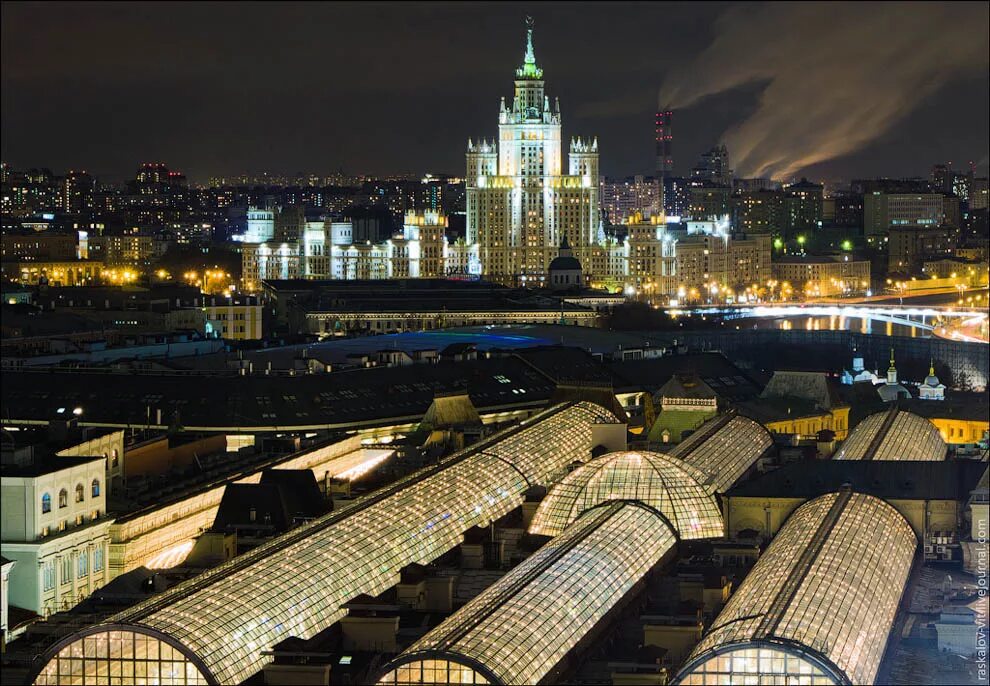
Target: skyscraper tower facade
(665, 142)
(520, 204)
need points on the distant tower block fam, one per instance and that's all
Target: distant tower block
(665, 141)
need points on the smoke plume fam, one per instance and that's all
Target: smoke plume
(836, 75)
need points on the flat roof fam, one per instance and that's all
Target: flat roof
(46, 465)
(228, 400)
(889, 480)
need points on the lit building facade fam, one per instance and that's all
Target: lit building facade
(520, 203)
(621, 199)
(885, 211)
(237, 318)
(327, 249)
(56, 529)
(824, 275)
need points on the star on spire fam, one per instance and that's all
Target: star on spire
(529, 70)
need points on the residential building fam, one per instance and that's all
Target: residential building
(803, 208)
(908, 248)
(824, 275)
(55, 273)
(39, 246)
(760, 211)
(706, 264)
(883, 212)
(55, 529)
(235, 318)
(621, 199)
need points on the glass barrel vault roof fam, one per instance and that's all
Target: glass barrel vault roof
(893, 435)
(819, 605)
(724, 448)
(520, 628)
(664, 483)
(295, 585)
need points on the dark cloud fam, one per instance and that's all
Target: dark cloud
(223, 88)
(837, 76)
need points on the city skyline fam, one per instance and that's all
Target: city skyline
(88, 116)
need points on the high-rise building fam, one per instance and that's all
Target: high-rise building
(941, 178)
(709, 200)
(75, 191)
(520, 203)
(621, 198)
(714, 166)
(804, 207)
(978, 194)
(665, 143)
(676, 196)
(759, 211)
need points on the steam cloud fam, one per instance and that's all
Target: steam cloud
(837, 75)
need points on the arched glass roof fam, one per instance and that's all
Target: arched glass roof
(664, 483)
(295, 585)
(724, 448)
(819, 605)
(893, 435)
(520, 628)
(125, 656)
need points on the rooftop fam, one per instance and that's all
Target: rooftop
(226, 399)
(45, 465)
(948, 480)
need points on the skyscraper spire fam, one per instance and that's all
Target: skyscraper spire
(529, 70)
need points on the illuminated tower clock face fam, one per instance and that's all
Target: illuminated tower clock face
(532, 113)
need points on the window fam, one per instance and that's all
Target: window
(98, 560)
(82, 564)
(66, 569)
(46, 503)
(80, 493)
(48, 576)
(63, 498)
(96, 488)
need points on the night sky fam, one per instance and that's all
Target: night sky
(830, 91)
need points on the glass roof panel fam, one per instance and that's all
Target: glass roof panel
(659, 481)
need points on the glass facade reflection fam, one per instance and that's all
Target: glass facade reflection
(295, 585)
(724, 449)
(894, 435)
(521, 627)
(825, 592)
(664, 483)
(124, 657)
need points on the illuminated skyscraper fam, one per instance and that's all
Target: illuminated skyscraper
(520, 203)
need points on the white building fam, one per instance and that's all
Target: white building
(859, 374)
(520, 203)
(6, 566)
(327, 251)
(55, 529)
(931, 388)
